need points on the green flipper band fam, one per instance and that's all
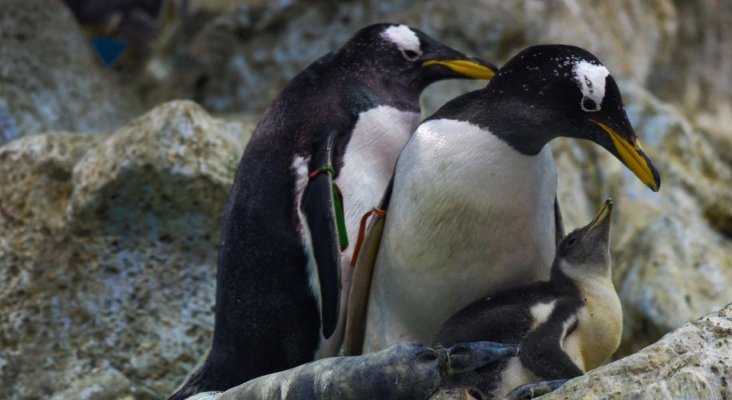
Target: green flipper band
(337, 205)
(340, 218)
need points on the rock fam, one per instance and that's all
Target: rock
(49, 78)
(692, 362)
(36, 172)
(108, 242)
(174, 164)
(100, 302)
(671, 249)
(675, 270)
(695, 76)
(673, 47)
(231, 56)
(402, 371)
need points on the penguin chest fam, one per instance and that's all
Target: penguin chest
(469, 215)
(368, 164)
(599, 326)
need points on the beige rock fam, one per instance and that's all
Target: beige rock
(112, 305)
(107, 243)
(678, 49)
(174, 164)
(671, 250)
(49, 78)
(692, 362)
(675, 270)
(231, 57)
(35, 172)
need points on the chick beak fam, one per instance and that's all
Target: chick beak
(602, 217)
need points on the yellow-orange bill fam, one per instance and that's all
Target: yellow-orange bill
(471, 69)
(633, 157)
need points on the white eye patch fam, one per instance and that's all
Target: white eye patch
(405, 39)
(591, 80)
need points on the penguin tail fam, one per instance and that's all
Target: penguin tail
(205, 379)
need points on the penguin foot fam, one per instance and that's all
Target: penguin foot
(535, 389)
(464, 357)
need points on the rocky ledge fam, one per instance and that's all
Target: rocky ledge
(693, 362)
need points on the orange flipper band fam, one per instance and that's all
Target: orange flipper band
(362, 231)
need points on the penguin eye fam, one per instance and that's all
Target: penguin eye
(571, 241)
(410, 55)
(589, 105)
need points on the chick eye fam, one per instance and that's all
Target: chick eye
(571, 241)
(410, 55)
(589, 105)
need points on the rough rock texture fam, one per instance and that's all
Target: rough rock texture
(107, 254)
(49, 78)
(108, 242)
(695, 75)
(403, 371)
(678, 49)
(672, 251)
(250, 39)
(693, 362)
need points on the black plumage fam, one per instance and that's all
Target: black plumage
(272, 242)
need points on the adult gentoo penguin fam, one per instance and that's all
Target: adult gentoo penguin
(566, 326)
(345, 118)
(472, 208)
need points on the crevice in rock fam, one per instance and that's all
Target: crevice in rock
(719, 220)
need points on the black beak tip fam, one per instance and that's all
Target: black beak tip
(656, 176)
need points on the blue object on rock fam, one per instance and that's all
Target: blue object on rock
(108, 48)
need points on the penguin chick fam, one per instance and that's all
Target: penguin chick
(344, 119)
(477, 183)
(566, 326)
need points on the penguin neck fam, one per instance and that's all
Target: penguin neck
(522, 126)
(371, 85)
(560, 280)
(579, 279)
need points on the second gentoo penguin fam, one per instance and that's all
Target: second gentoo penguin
(566, 326)
(340, 123)
(472, 207)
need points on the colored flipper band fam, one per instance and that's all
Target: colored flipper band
(337, 205)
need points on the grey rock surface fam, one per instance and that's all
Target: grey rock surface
(108, 241)
(692, 362)
(679, 50)
(50, 80)
(671, 250)
(100, 298)
(403, 371)
(252, 37)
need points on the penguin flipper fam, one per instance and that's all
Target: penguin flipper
(318, 207)
(558, 222)
(358, 297)
(542, 352)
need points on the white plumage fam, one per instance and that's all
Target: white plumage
(468, 215)
(377, 138)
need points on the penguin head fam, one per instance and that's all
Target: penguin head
(399, 55)
(561, 90)
(585, 252)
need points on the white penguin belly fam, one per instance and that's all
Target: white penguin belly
(378, 137)
(600, 324)
(469, 215)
